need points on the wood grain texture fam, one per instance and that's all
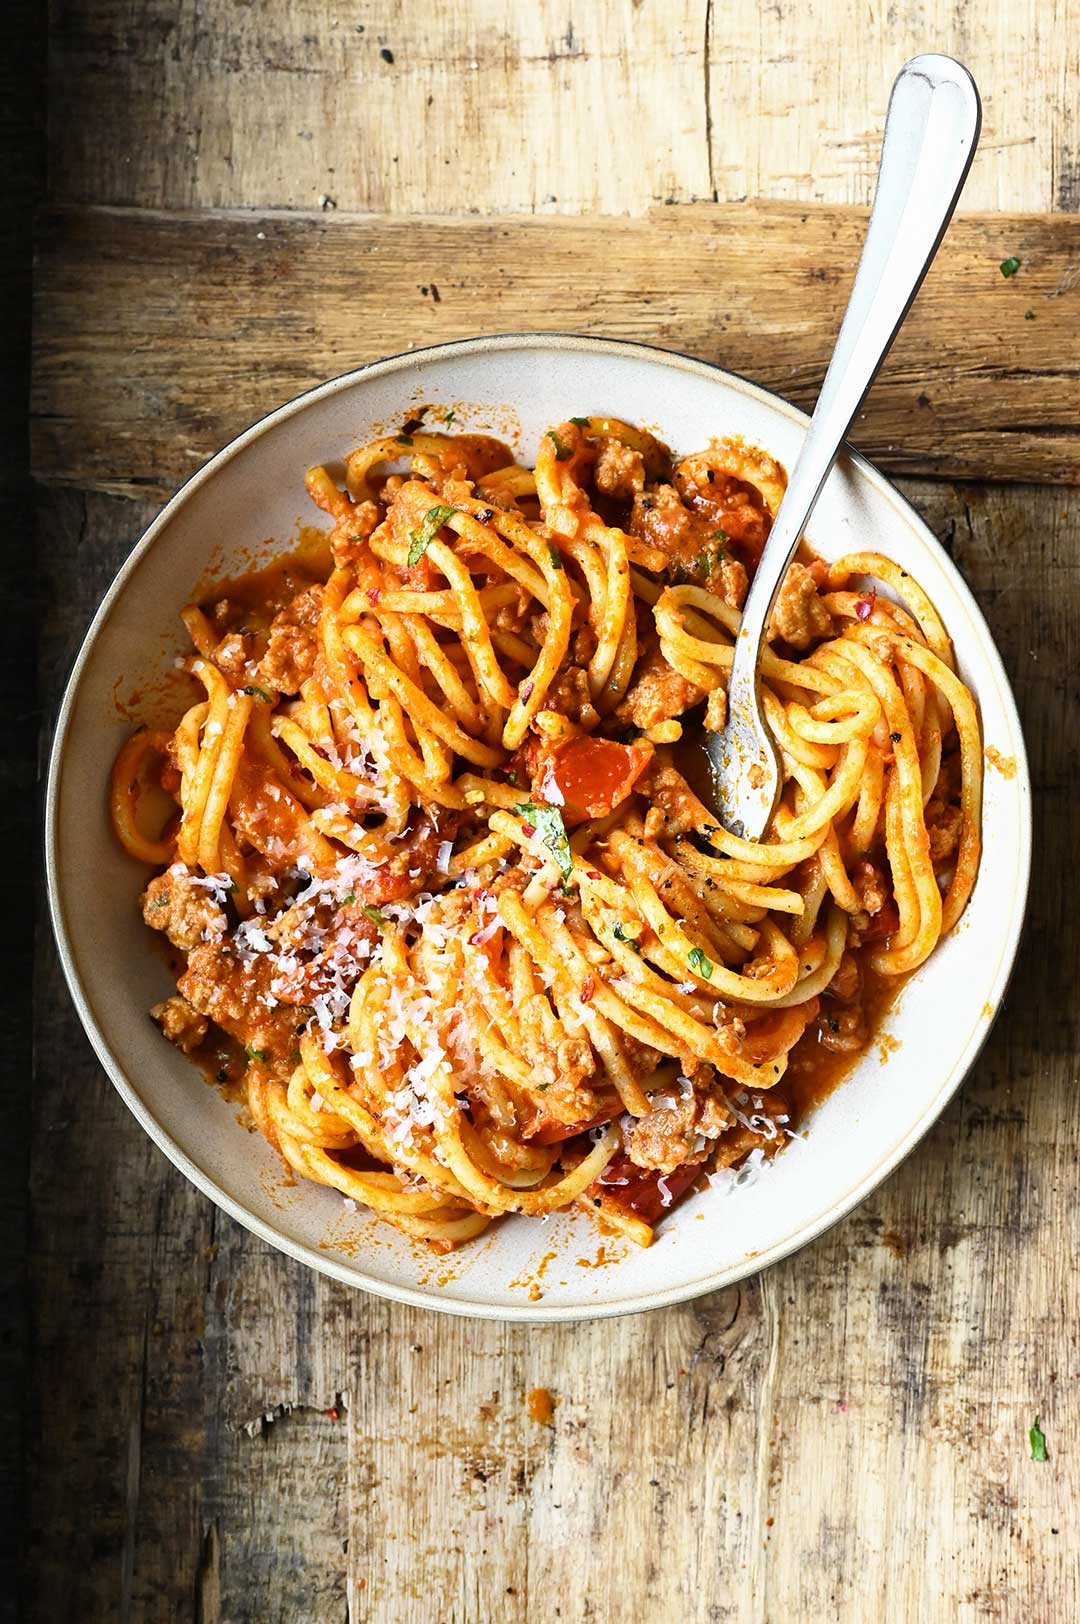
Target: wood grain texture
(546, 107)
(871, 1396)
(159, 337)
(844, 1438)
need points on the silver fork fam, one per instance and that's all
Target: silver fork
(931, 131)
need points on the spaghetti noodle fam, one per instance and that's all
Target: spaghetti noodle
(438, 864)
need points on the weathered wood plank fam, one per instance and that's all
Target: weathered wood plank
(595, 108)
(21, 175)
(798, 95)
(158, 337)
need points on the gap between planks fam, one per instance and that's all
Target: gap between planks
(159, 336)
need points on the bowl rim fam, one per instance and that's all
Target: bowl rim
(324, 1262)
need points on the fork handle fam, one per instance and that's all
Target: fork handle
(931, 130)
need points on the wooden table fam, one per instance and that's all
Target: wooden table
(235, 208)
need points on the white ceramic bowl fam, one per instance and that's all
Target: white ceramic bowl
(252, 490)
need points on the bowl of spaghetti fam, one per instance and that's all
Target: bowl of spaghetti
(393, 829)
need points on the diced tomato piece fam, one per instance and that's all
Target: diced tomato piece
(641, 1193)
(587, 777)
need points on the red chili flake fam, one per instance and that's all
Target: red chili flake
(865, 606)
(332, 1415)
(588, 988)
(593, 874)
(526, 693)
(373, 595)
(529, 829)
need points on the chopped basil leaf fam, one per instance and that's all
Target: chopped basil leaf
(542, 1088)
(1010, 266)
(581, 422)
(350, 898)
(621, 936)
(698, 961)
(421, 539)
(448, 419)
(719, 535)
(1029, 315)
(258, 693)
(160, 902)
(403, 439)
(562, 452)
(548, 821)
(555, 556)
(256, 1054)
(376, 915)
(1037, 1440)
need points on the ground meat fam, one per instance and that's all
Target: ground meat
(348, 542)
(729, 581)
(799, 616)
(232, 656)
(184, 910)
(716, 710)
(225, 612)
(570, 696)
(943, 825)
(560, 1073)
(724, 502)
(660, 518)
(340, 963)
(236, 994)
(871, 886)
(290, 652)
(664, 1139)
(657, 691)
(619, 471)
(673, 798)
(414, 863)
(843, 1030)
(180, 1023)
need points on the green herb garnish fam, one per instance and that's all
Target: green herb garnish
(448, 419)
(542, 1088)
(256, 1054)
(562, 452)
(1037, 1440)
(1029, 315)
(350, 898)
(698, 961)
(376, 915)
(258, 693)
(549, 821)
(621, 936)
(581, 422)
(421, 539)
(1010, 266)
(403, 439)
(160, 902)
(555, 556)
